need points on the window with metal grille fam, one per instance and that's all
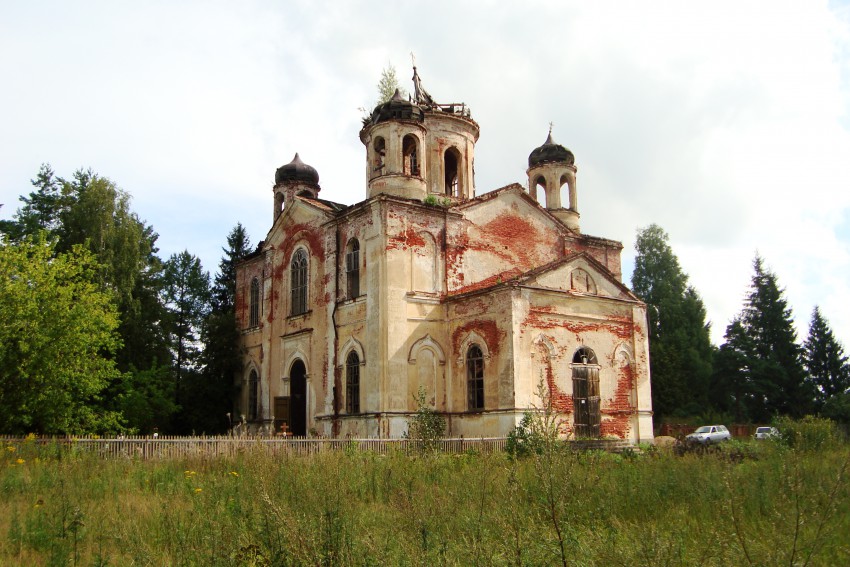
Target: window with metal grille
(586, 393)
(253, 395)
(298, 270)
(475, 378)
(352, 383)
(254, 318)
(352, 269)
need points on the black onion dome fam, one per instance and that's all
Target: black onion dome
(397, 108)
(297, 170)
(551, 152)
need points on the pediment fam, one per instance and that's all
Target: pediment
(302, 212)
(579, 274)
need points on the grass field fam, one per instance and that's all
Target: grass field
(759, 504)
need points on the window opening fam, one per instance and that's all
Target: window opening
(254, 317)
(298, 270)
(411, 157)
(352, 383)
(352, 269)
(586, 393)
(451, 162)
(475, 378)
(253, 395)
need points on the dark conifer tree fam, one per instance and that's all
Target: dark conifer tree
(221, 357)
(761, 365)
(826, 363)
(680, 351)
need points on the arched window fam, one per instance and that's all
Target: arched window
(451, 167)
(253, 396)
(352, 269)
(410, 153)
(298, 269)
(352, 383)
(254, 317)
(586, 393)
(474, 378)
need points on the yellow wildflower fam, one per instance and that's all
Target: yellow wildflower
(11, 448)
(20, 461)
(198, 490)
(234, 473)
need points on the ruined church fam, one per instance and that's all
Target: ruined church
(474, 299)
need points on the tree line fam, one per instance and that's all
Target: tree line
(98, 333)
(759, 372)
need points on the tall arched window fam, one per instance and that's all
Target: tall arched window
(298, 270)
(352, 383)
(451, 168)
(474, 378)
(352, 269)
(410, 153)
(254, 317)
(586, 393)
(253, 395)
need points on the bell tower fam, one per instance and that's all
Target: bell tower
(550, 167)
(417, 147)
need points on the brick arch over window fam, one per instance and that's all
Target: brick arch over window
(470, 338)
(354, 345)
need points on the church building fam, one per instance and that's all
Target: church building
(475, 299)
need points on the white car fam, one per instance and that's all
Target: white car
(708, 434)
(766, 433)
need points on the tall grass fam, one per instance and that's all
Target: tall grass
(778, 505)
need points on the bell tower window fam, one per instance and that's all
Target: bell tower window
(451, 167)
(410, 151)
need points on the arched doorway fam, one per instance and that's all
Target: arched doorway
(586, 393)
(298, 399)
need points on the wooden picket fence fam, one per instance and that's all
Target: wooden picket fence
(168, 447)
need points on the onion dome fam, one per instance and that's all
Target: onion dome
(297, 170)
(550, 152)
(397, 108)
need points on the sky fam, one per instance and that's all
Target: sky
(727, 123)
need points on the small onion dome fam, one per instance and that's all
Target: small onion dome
(397, 108)
(296, 170)
(551, 152)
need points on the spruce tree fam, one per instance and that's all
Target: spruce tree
(220, 336)
(825, 361)
(680, 351)
(760, 365)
